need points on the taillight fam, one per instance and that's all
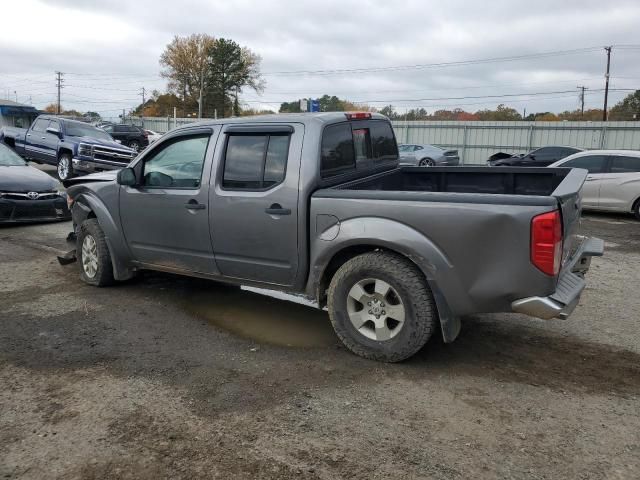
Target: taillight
(546, 242)
(358, 115)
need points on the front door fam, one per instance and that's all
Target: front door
(166, 218)
(50, 140)
(254, 207)
(34, 145)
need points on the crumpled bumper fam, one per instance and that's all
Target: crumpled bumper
(570, 285)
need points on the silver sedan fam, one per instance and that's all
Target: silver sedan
(427, 155)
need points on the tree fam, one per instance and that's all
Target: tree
(230, 68)
(627, 109)
(51, 108)
(185, 61)
(501, 113)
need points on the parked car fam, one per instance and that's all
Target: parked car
(317, 204)
(28, 194)
(613, 183)
(152, 136)
(75, 147)
(129, 135)
(540, 157)
(427, 155)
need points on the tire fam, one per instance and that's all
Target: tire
(93, 255)
(65, 167)
(135, 145)
(636, 209)
(426, 162)
(378, 338)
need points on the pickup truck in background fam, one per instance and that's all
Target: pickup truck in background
(72, 146)
(317, 204)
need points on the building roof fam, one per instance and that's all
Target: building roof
(5, 102)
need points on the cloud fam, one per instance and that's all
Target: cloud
(110, 49)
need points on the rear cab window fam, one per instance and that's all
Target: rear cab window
(356, 146)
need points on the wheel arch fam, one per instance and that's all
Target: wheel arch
(88, 206)
(431, 262)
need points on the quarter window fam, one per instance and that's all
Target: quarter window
(621, 164)
(338, 155)
(592, 163)
(255, 162)
(178, 163)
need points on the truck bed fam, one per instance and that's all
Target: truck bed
(475, 180)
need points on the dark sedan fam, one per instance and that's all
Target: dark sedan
(28, 194)
(540, 157)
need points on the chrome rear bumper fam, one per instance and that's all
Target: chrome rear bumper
(571, 283)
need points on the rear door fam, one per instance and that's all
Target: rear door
(34, 145)
(620, 184)
(596, 165)
(254, 203)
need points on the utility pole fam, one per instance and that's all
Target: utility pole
(59, 86)
(606, 84)
(201, 89)
(143, 99)
(582, 89)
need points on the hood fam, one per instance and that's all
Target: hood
(103, 143)
(25, 179)
(106, 176)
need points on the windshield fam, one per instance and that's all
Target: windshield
(404, 148)
(81, 130)
(8, 158)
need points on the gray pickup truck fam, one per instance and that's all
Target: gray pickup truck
(317, 204)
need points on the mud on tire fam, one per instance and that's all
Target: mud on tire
(409, 287)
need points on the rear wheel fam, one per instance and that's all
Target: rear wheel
(134, 145)
(381, 307)
(636, 209)
(426, 162)
(93, 252)
(65, 166)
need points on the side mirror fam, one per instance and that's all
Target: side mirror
(126, 177)
(53, 131)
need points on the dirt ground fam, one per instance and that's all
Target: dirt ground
(167, 377)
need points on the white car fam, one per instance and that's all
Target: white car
(152, 136)
(613, 183)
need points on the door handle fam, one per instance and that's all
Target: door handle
(28, 134)
(276, 209)
(194, 205)
(43, 138)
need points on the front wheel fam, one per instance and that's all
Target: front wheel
(134, 145)
(65, 167)
(381, 307)
(93, 252)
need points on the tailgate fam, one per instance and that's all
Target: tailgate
(569, 196)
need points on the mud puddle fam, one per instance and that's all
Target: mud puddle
(265, 317)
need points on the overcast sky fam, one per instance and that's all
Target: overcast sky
(109, 49)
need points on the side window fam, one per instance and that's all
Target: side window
(119, 128)
(418, 147)
(40, 125)
(593, 163)
(383, 142)
(338, 154)
(108, 128)
(255, 162)
(178, 163)
(621, 164)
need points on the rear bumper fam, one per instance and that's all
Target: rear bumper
(570, 285)
(91, 166)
